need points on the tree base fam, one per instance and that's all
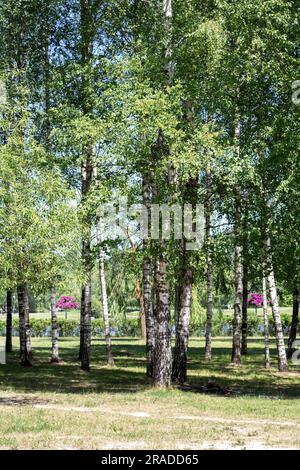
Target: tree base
(283, 369)
(290, 353)
(236, 363)
(26, 363)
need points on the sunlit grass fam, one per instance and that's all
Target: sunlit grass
(60, 406)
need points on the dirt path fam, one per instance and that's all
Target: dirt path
(234, 421)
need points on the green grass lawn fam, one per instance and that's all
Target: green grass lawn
(59, 406)
(71, 315)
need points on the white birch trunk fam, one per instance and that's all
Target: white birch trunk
(168, 14)
(23, 306)
(238, 267)
(162, 353)
(54, 332)
(237, 321)
(209, 269)
(149, 316)
(108, 342)
(27, 322)
(244, 349)
(140, 298)
(147, 288)
(266, 325)
(282, 359)
(86, 52)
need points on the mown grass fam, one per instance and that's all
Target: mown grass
(60, 406)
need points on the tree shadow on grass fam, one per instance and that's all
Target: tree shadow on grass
(67, 377)
(249, 379)
(19, 401)
(128, 375)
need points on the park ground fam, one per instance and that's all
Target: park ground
(58, 406)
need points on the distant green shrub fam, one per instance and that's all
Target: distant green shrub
(42, 327)
(221, 326)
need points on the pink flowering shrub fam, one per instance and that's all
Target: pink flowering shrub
(256, 299)
(67, 302)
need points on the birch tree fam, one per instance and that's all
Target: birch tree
(54, 331)
(266, 324)
(162, 353)
(9, 311)
(108, 343)
(209, 266)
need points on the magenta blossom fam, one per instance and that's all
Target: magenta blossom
(255, 299)
(67, 302)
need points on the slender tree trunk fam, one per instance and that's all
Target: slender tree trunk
(147, 289)
(244, 349)
(110, 359)
(86, 327)
(143, 320)
(179, 373)
(209, 268)
(27, 326)
(47, 131)
(190, 195)
(282, 359)
(294, 324)
(238, 270)
(108, 343)
(140, 298)
(168, 16)
(87, 32)
(269, 272)
(54, 332)
(23, 307)
(162, 358)
(177, 302)
(266, 325)
(47, 78)
(81, 322)
(9, 308)
(149, 315)
(162, 354)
